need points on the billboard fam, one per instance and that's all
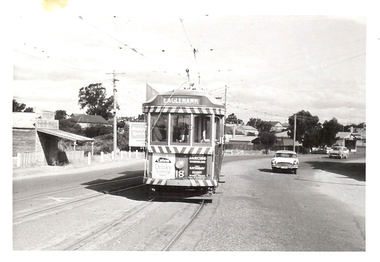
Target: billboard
(137, 134)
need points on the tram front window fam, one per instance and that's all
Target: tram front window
(180, 128)
(202, 129)
(159, 127)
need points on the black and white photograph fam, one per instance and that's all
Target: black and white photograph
(203, 128)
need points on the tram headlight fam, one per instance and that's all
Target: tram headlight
(179, 164)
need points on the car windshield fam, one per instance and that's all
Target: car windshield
(289, 155)
(336, 148)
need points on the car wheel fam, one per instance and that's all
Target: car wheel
(295, 171)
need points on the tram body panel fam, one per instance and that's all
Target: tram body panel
(180, 170)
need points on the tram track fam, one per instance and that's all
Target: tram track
(113, 230)
(176, 238)
(97, 233)
(73, 188)
(130, 228)
(17, 219)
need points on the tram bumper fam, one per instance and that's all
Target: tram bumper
(181, 182)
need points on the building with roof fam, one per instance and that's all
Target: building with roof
(88, 120)
(284, 142)
(352, 139)
(276, 126)
(241, 141)
(246, 131)
(36, 136)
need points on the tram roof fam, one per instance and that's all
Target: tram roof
(183, 98)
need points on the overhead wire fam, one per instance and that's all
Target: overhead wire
(315, 63)
(127, 46)
(60, 64)
(194, 50)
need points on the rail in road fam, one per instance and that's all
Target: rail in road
(37, 212)
(130, 221)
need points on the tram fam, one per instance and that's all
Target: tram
(185, 143)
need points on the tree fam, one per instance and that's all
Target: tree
(141, 118)
(29, 110)
(70, 125)
(305, 124)
(347, 128)
(93, 97)
(312, 138)
(260, 125)
(60, 114)
(329, 131)
(253, 122)
(97, 130)
(263, 126)
(120, 124)
(17, 107)
(232, 119)
(267, 139)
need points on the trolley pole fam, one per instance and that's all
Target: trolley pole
(114, 113)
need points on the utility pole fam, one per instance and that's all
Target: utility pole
(295, 128)
(225, 99)
(114, 112)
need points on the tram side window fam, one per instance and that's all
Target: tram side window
(159, 127)
(180, 128)
(202, 129)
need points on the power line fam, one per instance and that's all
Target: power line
(194, 50)
(126, 45)
(54, 58)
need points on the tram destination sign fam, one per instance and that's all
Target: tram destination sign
(197, 165)
(181, 100)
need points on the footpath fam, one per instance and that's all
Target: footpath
(40, 171)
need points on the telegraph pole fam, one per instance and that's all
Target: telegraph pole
(225, 99)
(114, 112)
(294, 138)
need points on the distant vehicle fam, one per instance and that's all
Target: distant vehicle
(339, 152)
(285, 160)
(319, 150)
(328, 150)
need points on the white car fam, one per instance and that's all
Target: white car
(285, 160)
(339, 152)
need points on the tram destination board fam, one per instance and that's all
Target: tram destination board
(197, 165)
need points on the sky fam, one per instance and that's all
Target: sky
(272, 64)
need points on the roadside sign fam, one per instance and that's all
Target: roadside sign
(137, 134)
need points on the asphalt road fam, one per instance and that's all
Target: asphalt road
(321, 208)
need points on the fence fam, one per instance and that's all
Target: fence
(24, 159)
(75, 157)
(233, 146)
